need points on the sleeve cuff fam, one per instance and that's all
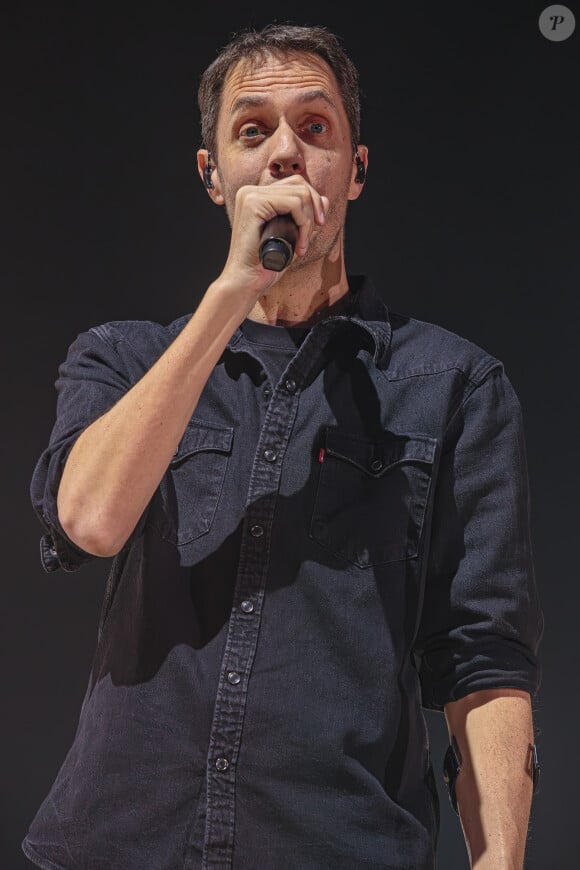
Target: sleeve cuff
(487, 668)
(55, 554)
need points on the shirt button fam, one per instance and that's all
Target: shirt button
(376, 464)
(234, 678)
(290, 385)
(222, 763)
(266, 392)
(247, 606)
(256, 531)
(270, 455)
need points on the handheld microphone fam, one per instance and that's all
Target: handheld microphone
(277, 242)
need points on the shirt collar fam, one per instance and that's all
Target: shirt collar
(370, 314)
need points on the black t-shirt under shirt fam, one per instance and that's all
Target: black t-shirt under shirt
(275, 345)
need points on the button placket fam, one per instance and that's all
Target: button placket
(243, 628)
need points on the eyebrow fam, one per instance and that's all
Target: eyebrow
(252, 102)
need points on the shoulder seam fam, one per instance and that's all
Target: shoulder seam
(475, 385)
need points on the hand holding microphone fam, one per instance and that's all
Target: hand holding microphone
(272, 224)
(280, 234)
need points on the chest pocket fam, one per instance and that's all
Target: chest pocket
(372, 496)
(186, 502)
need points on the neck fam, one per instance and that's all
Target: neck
(304, 294)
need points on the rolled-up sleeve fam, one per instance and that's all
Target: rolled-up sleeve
(481, 621)
(90, 381)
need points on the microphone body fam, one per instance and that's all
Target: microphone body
(277, 242)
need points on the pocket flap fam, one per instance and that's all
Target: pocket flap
(375, 457)
(200, 435)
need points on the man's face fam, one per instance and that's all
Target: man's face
(286, 117)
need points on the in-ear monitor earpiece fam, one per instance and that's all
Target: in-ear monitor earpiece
(360, 168)
(207, 171)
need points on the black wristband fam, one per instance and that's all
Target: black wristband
(535, 765)
(451, 766)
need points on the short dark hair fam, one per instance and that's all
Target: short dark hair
(279, 40)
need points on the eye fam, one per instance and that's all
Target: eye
(317, 127)
(252, 131)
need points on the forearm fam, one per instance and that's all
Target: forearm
(118, 461)
(494, 731)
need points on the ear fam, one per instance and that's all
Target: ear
(204, 165)
(356, 187)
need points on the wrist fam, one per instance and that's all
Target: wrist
(234, 292)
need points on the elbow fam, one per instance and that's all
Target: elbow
(92, 531)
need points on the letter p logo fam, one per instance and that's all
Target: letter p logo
(557, 23)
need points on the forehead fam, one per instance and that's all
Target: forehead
(270, 77)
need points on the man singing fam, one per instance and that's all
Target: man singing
(319, 515)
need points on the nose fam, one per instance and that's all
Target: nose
(286, 156)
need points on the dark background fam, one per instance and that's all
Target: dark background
(469, 219)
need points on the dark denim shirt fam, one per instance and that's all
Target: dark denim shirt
(330, 550)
